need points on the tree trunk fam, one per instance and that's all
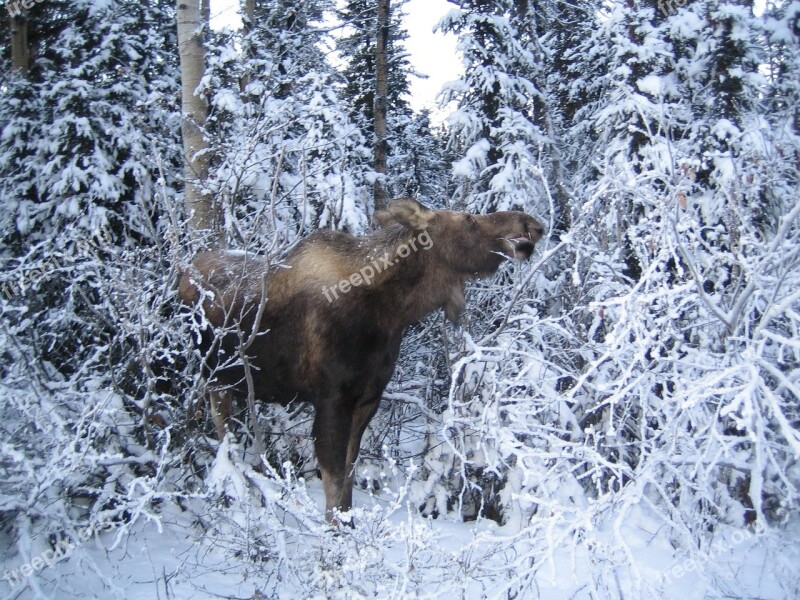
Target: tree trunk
(204, 214)
(20, 51)
(381, 93)
(249, 15)
(248, 25)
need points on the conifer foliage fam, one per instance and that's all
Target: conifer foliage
(620, 415)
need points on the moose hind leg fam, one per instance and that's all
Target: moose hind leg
(361, 418)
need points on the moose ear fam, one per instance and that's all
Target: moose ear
(410, 213)
(383, 218)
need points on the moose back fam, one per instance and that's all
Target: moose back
(325, 324)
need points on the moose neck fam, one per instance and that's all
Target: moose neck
(418, 281)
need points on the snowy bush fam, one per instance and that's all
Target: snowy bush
(618, 417)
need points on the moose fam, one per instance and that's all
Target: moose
(324, 324)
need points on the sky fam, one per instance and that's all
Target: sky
(432, 54)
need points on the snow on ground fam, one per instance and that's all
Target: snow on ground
(232, 549)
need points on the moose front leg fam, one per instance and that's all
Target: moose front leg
(331, 436)
(220, 401)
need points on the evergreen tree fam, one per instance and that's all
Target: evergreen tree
(88, 161)
(359, 50)
(495, 125)
(674, 95)
(574, 91)
(89, 131)
(418, 161)
(782, 36)
(782, 102)
(89, 150)
(281, 133)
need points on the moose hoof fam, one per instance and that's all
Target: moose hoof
(339, 519)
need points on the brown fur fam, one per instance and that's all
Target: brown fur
(339, 352)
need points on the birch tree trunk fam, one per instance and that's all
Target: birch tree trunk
(381, 93)
(20, 51)
(205, 218)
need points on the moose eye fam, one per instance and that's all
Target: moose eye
(471, 221)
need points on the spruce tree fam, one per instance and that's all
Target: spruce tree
(358, 50)
(495, 128)
(282, 135)
(418, 161)
(86, 130)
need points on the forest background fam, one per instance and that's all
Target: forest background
(618, 418)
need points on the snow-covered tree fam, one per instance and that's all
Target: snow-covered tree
(357, 48)
(417, 165)
(495, 127)
(782, 98)
(655, 285)
(287, 154)
(384, 130)
(88, 161)
(83, 134)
